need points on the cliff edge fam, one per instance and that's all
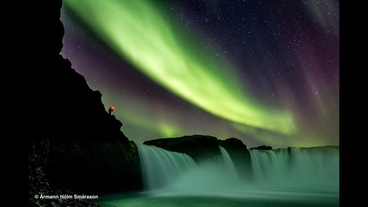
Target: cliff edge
(74, 144)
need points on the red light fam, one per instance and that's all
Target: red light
(112, 108)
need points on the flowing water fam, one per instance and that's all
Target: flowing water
(308, 169)
(161, 167)
(283, 177)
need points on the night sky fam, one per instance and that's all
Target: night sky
(265, 72)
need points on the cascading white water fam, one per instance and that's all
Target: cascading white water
(227, 164)
(293, 170)
(298, 168)
(214, 174)
(164, 169)
(284, 177)
(161, 167)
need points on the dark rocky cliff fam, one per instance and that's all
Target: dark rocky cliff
(74, 144)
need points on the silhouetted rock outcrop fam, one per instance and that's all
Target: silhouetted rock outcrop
(233, 145)
(74, 144)
(199, 147)
(95, 166)
(239, 154)
(263, 147)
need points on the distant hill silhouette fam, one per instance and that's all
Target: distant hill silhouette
(262, 147)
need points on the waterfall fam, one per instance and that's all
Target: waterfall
(282, 170)
(161, 167)
(302, 168)
(227, 164)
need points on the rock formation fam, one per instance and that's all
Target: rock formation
(74, 144)
(199, 147)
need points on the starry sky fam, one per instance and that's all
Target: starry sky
(265, 72)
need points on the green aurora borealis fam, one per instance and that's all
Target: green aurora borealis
(164, 52)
